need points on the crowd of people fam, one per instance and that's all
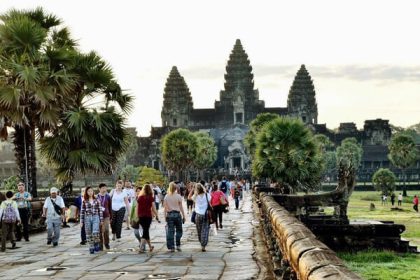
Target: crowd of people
(102, 212)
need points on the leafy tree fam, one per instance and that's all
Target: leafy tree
(403, 153)
(179, 150)
(328, 154)
(254, 128)
(349, 154)
(10, 184)
(33, 81)
(206, 153)
(130, 173)
(287, 153)
(384, 181)
(150, 175)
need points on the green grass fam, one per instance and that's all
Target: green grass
(385, 264)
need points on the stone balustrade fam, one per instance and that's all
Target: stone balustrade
(296, 252)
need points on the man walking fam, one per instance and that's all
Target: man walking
(400, 198)
(23, 200)
(54, 211)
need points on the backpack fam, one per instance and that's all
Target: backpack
(223, 186)
(9, 215)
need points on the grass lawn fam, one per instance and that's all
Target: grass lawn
(385, 265)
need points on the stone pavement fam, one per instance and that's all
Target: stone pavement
(229, 254)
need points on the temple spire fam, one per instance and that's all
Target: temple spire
(301, 101)
(239, 71)
(177, 101)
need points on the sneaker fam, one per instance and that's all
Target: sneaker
(55, 244)
(27, 239)
(49, 242)
(83, 242)
(178, 249)
(118, 239)
(203, 249)
(221, 226)
(92, 250)
(171, 250)
(13, 245)
(113, 237)
(107, 246)
(97, 249)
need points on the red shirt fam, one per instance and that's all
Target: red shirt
(215, 198)
(416, 201)
(144, 205)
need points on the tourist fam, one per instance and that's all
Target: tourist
(131, 195)
(400, 199)
(119, 207)
(416, 203)
(145, 210)
(236, 195)
(202, 223)
(53, 210)
(134, 220)
(224, 186)
(392, 199)
(106, 208)
(23, 200)
(175, 217)
(190, 202)
(78, 202)
(157, 192)
(384, 198)
(9, 215)
(218, 202)
(91, 218)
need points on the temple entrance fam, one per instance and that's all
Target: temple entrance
(236, 162)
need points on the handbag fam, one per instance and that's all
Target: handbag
(193, 217)
(209, 211)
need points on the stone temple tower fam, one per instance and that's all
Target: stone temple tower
(301, 101)
(177, 101)
(239, 102)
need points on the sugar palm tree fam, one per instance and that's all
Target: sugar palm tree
(91, 136)
(403, 153)
(33, 81)
(287, 153)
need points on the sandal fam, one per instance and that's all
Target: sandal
(151, 249)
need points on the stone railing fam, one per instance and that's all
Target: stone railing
(296, 252)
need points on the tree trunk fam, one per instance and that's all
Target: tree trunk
(404, 187)
(24, 141)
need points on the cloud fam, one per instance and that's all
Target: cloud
(381, 73)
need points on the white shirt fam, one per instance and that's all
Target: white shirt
(118, 200)
(400, 197)
(159, 193)
(130, 193)
(201, 203)
(51, 214)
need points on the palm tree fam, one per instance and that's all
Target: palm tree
(254, 127)
(403, 153)
(91, 135)
(33, 81)
(287, 153)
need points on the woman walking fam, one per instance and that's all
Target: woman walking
(175, 217)
(119, 206)
(145, 210)
(218, 202)
(134, 219)
(91, 217)
(201, 199)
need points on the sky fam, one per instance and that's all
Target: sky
(363, 56)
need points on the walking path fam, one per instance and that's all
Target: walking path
(229, 254)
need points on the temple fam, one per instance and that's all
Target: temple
(227, 122)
